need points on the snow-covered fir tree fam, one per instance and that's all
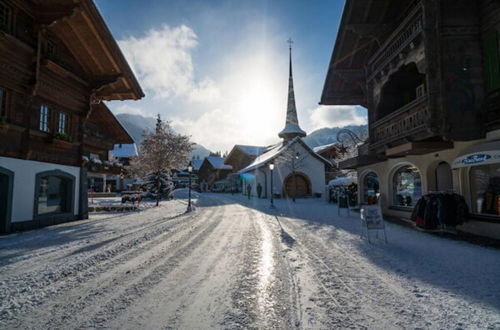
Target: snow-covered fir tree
(161, 152)
(158, 185)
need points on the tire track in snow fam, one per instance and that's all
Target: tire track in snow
(89, 269)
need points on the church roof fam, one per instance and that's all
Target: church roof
(292, 128)
(275, 151)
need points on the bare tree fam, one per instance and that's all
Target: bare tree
(161, 152)
(293, 160)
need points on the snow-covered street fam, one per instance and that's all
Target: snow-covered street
(236, 263)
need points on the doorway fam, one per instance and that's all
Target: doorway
(444, 177)
(297, 185)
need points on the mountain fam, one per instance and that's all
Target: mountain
(324, 136)
(137, 124)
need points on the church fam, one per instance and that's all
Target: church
(289, 168)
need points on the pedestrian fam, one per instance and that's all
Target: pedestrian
(259, 190)
(249, 190)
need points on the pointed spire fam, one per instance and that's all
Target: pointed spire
(292, 128)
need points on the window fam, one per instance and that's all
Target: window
(406, 186)
(485, 189)
(490, 60)
(3, 102)
(62, 123)
(44, 118)
(5, 17)
(54, 195)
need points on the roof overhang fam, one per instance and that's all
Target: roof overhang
(358, 161)
(418, 148)
(82, 29)
(363, 25)
(104, 118)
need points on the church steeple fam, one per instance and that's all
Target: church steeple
(292, 128)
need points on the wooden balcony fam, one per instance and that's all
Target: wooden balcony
(395, 44)
(401, 123)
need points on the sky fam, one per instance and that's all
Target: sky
(218, 69)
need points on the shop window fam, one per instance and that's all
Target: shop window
(485, 189)
(5, 17)
(54, 194)
(44, 118)
(62, 123)
(3, 102)
(370, 188)
(490, 61)
(406, 186)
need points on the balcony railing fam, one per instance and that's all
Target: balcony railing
(401, 123)
(406, 32)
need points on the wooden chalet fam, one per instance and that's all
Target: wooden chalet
(330, 152)
(211, 170)
(428, 72)
(59, 62)
(101, 133)
(243, 155)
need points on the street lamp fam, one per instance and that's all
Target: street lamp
(271, 168)
(190, 170)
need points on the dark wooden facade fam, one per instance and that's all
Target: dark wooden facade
(208, 174)
(427, 71)
(59, 61)
(239, 159)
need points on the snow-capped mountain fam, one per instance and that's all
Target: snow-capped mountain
(137, 124)
(327, 135)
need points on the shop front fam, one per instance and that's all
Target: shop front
(480, 166)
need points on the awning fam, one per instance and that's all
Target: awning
(479, 154)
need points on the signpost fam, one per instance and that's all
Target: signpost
(371, 219)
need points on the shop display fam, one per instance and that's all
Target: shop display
(440, 210)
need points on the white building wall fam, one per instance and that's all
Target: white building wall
(312, 167)
(25, 171)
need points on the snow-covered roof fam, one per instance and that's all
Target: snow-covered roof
(265, 157)
(275, 151)
(252, 150)
(124, 150)
(319, 149)
(218, 163)
(345, 181)
(196, 164)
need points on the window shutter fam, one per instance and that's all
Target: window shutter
(491, 64)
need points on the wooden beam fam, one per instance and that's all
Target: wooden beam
(418, 148)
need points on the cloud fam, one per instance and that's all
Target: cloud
(336, 116)
(162, 62)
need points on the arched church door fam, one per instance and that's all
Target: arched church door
(299, 187)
